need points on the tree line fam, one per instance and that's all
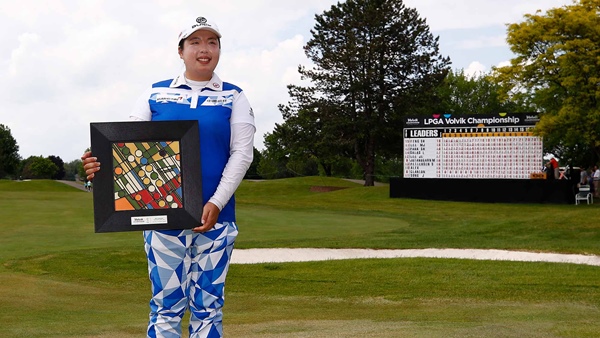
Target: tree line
(12, 166)
(375, 62)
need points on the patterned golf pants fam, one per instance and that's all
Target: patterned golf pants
(188, 270)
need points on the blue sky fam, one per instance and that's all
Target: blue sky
(67, 63)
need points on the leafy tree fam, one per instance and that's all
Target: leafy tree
(9, 153)
(304, 137)
(274, 159)
(307, 135)
(72, 169)
(253, 170)
(389, 167)
(283, 158)
(375, 61)
(557, 71)
(60, 173)
(303, 166)
(270, 168)
(461, 94)
(81, 173)
(39, 167)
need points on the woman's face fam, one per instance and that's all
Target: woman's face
(200, 55)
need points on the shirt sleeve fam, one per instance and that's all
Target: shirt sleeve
(141, 109)
(241, 153)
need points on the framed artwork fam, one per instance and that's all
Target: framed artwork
(150, 175)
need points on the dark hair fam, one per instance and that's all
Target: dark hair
(182, 40)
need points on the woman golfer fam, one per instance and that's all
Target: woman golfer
(187, 268)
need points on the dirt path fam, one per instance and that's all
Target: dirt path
(77, 185)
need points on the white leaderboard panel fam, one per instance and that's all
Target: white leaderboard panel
(490, 152)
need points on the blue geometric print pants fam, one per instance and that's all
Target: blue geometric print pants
(187, 271)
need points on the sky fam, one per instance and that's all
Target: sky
(67, 63)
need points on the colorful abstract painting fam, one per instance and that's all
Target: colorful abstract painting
(147, 175)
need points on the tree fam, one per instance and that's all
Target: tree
(60, 173)
(557, 72)
(72, 169)
(461, 94)
(274, 159)
(38, 167)
(375, 61)
(304, 137)
(9, 153)
(252, 172)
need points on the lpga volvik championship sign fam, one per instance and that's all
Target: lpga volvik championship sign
(498, 146)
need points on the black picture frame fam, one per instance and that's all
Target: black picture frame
(110, 183)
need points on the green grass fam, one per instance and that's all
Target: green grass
(60, 279)
(289, 215)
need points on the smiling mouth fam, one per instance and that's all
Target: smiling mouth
(204, 60)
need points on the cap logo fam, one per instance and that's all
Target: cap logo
(201, 23)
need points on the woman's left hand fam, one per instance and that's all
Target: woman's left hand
(90, 165)
(210, 213)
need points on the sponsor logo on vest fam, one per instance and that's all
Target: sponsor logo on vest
(169, 97)
(218, 100)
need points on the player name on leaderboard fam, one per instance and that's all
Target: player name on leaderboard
(477, 146)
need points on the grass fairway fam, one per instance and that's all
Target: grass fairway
(59, 279)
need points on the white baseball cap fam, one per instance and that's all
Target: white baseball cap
(200, 23)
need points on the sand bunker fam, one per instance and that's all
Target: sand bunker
(252, 256)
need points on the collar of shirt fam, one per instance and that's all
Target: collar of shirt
(214, 84)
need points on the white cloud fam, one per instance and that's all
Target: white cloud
(503, 64)
(469, 14)
(475, 69)
(482, 42)
(266, 73)
(16, 63)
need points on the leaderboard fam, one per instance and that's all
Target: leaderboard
(499, 146)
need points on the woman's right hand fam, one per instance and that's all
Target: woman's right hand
(90, 164)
